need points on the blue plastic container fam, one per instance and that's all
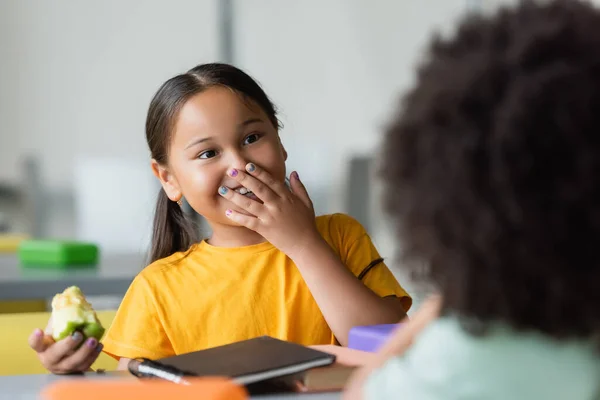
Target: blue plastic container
(370, 338)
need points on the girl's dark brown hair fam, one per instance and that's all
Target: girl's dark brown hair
(492, 169)
(172, 231)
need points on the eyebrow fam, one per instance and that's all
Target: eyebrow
(206, 139)
(198, 141)
(251, 121)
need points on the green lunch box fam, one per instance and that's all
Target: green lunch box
(57, 253)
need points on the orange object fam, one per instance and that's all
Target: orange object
(199, 388)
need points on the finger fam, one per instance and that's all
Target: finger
(244, 202)
(249, 221)
(59, 350)
(37, 342)
(299, 190)
(78, 360)
(88, 362)
(269, 183)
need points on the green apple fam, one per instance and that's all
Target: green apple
(72, 312)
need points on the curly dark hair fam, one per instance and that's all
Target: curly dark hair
(492, 169)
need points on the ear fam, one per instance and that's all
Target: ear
(167, 180)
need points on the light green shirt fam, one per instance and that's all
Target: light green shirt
(447, 363)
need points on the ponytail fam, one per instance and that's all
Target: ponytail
(171, 232)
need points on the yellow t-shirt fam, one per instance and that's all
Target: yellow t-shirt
(216, 295)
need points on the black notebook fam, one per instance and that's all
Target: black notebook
(250, 361)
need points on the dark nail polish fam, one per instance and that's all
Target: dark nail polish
(233, 173)
(295, 176)
(77, 336)
(99, 347)
(251, 167)
(91, 342)
(223, 190)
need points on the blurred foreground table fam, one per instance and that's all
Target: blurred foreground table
(29, 387)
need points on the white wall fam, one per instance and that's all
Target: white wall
(76, 76)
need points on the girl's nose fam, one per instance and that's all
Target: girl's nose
(238, 161)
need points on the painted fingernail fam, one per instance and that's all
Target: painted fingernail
(91, 342)
(99, 347)
(295, 176)
(251, 167)
(38, 333)
(233, 173)
(77, 336)
(228, 212)
(223, 190)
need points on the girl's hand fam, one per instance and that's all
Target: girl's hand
(286, 218)
(64, 356)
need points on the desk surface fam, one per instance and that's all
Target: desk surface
(28, 387)
(112, 276)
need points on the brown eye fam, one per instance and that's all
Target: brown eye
(251, 138)
(208, 154)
